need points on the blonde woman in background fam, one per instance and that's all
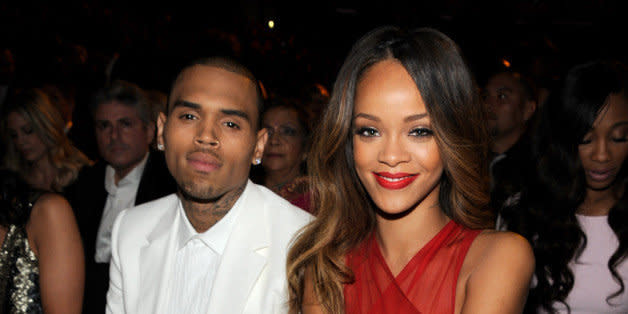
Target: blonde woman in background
(36, 145)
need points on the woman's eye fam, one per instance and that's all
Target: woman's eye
(420, 132)
(367, 132)
(287, 131)
(585, 141)
(620, 139)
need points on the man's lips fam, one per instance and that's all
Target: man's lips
(394, 181)
(117, 148)
(273, 155)
(203, 162)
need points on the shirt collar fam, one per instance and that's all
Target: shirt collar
(215, 237)
(132, 178)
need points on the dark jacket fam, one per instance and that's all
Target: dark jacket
(88, 197)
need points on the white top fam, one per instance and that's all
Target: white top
(196, 261)
(593, 282)
(119, 197)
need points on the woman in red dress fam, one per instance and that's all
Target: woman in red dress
(401, 191)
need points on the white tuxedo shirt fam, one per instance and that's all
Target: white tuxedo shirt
(251, 277)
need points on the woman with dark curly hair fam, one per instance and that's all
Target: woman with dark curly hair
(401, 190)
(574, 209)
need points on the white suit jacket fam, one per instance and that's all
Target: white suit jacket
(251, 277)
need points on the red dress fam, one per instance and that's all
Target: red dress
(427, 284)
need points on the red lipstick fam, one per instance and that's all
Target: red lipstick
(394, 181)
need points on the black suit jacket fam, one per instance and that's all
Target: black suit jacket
(88, 197)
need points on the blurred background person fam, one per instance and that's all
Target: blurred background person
(36, 144)
(574, 210)
(511, 100)
(41, 262)
(128, 173)
(283, 168)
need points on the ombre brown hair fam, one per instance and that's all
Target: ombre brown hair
(35, 107)
(346, 214)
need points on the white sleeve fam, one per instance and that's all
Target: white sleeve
(115, 295)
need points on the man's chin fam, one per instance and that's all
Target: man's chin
(198, 194)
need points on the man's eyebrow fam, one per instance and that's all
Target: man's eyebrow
(183, 103)
(238, 113)
(227, 112)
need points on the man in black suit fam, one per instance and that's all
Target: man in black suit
(129, 173)
(511, 98)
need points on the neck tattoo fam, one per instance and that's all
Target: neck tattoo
(203, 216)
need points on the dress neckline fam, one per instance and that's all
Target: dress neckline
(419, 255)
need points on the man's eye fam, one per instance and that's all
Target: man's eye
(187, 116)
(102, 125)
(232, 125)
(126, 123)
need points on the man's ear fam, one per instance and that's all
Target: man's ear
(262, 138)
(150, 130)
(529, 107)
(161, 122)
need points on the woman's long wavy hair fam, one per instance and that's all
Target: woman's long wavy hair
(35, 107)
(346, 214)
(546, 213)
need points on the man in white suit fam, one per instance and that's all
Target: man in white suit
(219, 244)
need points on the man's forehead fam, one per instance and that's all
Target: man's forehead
(208, 85)
(116, 109)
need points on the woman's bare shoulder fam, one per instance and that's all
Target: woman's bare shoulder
(493, 249)
(50, 206)
(496, 273)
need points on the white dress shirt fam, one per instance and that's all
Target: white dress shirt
(119, 197)
(196, 261)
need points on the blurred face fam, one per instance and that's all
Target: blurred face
(27, 143)
(210, 135)
(395, 152)
(508, 108)
(284, 149)
(122, 138)
(604, 149)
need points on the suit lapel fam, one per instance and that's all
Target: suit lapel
(156, 259)
(243, 259)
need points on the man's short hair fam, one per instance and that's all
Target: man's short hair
(231, 65)
(125, 93)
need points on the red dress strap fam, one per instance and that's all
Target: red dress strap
(427, 284)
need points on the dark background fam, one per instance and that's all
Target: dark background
(72, 42)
